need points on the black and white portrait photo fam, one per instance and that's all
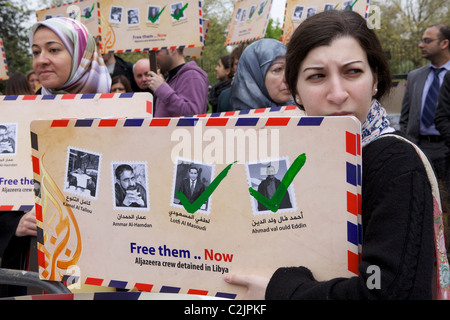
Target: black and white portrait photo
(265, 177)
(238, 14)
(311, 11)
(329, 6)
(153, 14)
(116, 14)
(133, 17)
(130, 185)
(298, 12)
(82, 172)
(8, 138)
(177, 10)
(192, 179)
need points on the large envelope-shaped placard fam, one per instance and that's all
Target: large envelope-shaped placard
(117, 206)
(16, 175)
(3, 63)
(298, 10)
(134, 25)
(85, 11)
(249, 21)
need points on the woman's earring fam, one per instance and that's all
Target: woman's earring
(376, 91)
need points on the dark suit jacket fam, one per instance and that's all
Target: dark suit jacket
(412, 103)
(442, 117)
(185, 188)
(263, 189)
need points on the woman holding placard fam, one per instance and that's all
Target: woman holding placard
(336, 67)
(66, 58)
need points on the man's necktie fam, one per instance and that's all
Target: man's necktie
(431, 100)
(192, 187)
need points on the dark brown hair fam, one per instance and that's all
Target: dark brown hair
(321, 29)
(123, 80)
(18, 85)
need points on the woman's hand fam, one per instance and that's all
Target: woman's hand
(256, 285)
(27, 225)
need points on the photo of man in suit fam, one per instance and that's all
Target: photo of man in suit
(420, 98)
(192, 187)
(267, 188)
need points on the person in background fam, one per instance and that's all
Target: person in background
(140, 71)
(18, 85)
(185, 90)
(421, 94)
(259, 81)
(66, 58)
(33, 80)
(225, 75)
(224, 101)
(442, 122)
(120, 84)
(117, 66)
(337, 67)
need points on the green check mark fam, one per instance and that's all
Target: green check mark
(272, 204)
(89, 13)
(193, 207)
(180, 13)
(153, 20)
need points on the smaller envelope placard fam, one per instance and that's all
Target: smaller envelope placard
(3, 63)
(249, 21)
(298, 10)
(16, 175)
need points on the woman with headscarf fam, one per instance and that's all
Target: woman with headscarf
(259, 81)
(66, 58)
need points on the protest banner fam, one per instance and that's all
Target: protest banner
(249, 21)
(3, 63)
(134, 26)
(16, 175)
(85, 11)
(130, 179)
(298, 10)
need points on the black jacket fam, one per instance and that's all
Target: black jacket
(398, 236)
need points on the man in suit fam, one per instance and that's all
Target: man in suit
(442, 122)
(267, 188)
(191, 187)
(417, 114)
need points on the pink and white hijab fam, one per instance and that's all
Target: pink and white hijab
(89, 73)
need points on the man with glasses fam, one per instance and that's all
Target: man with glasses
(421, 94)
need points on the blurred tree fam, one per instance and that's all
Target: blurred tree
(273, 30)
(402, 25)
(15, 38)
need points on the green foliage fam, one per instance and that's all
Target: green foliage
(273, 30)
(402, 25)
(15, 38)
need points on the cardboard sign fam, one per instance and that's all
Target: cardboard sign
(249, 21)
(133, 25)
(136, 26)
(3, 63)
(298, 10)
(16, 175)
(85, 11)
(117, 207)
(196, 52)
